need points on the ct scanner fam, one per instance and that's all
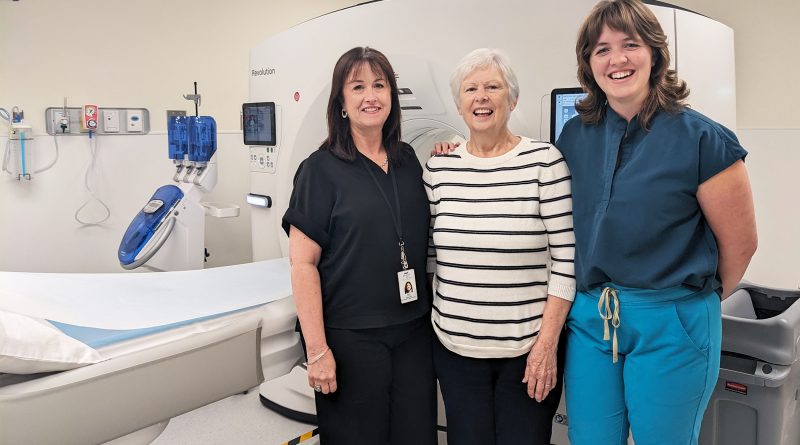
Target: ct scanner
(424, 40)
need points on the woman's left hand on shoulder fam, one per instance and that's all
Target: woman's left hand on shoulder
(444, 147)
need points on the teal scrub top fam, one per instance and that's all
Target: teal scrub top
(637, 220)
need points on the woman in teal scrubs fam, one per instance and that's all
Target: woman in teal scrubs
(664, 226)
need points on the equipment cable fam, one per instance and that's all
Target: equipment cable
(87, 182)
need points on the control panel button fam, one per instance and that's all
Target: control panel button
(153, 206)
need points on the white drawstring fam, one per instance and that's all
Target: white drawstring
(608, 296)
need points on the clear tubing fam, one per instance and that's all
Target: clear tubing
(22, 153)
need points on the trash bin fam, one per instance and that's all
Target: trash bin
(755, 401)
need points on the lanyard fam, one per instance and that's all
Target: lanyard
(397, 218)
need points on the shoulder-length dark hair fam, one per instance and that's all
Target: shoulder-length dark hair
(340, 138)
(631, 17)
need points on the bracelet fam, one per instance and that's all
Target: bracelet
(317, 357)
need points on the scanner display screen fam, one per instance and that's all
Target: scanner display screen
(562, 109)
(258, 123)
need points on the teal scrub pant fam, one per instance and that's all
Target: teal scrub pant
(668, 352)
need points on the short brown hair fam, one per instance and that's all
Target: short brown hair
(340, 139)
(631, 17)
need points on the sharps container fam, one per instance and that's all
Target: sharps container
(755, 401)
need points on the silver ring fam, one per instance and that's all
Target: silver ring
(317, 388)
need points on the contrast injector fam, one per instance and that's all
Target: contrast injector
(178, 143)
(202, 146)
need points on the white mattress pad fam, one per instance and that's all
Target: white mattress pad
(143, 300)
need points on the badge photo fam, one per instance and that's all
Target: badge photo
(407, 285)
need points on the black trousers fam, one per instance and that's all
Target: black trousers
(486, 402)
(386, 388)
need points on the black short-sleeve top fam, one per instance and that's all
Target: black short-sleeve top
(336, 204)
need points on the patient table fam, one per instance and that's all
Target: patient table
(170, 342)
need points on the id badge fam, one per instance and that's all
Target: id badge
(407, 284)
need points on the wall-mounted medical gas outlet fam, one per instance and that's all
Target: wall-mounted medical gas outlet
(89, 118)
(71, 123)
(61, 121)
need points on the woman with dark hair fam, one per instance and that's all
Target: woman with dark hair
(358, 225)
(664, 228)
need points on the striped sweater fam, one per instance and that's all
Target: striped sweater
(501, 241)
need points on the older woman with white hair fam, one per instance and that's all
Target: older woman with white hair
(501, 255)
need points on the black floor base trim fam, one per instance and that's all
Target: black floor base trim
(298, 416)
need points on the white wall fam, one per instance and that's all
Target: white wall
(148, 53)
(143, 53)
(774, 167)
(126, 54)
(766, 35)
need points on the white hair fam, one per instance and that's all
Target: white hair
(484, 58)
